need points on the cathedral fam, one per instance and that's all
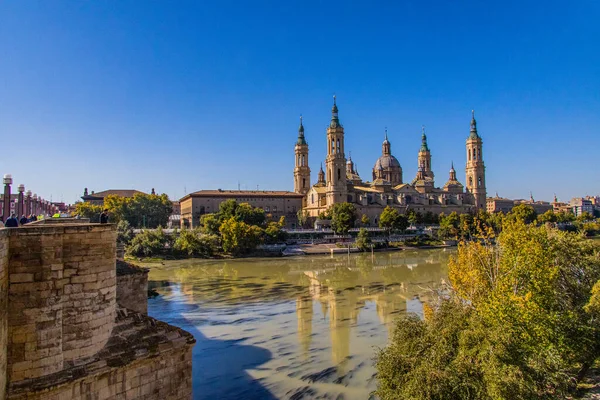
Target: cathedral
(340, 181)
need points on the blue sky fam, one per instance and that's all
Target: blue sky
(191, 95)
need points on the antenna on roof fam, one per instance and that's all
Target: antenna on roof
(238, 186)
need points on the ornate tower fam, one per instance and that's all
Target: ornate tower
(301, 170)
(475, 169)
(424, 157)
(335, 163)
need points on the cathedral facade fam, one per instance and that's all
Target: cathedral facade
(340, 181)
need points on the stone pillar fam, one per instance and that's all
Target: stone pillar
(34, 208)
(28, 204)
(21, 202)
(6, 207)
(3, 312)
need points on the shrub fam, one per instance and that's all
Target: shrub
(149, 243)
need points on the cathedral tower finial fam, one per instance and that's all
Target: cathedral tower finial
(473, 134)
(301, 139)
(424, 146)
(335, 121)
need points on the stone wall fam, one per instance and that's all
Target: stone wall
(61, 298)
(62, 335)
(3, 312)
(144, 359)
(132, 287)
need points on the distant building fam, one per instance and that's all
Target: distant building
(97, 198)
(499, 204)
(540, 207)
(579, 205)
(276, 203)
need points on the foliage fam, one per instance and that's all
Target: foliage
(547, 217)
(565, 217)
(149, 243)
(343, 216)
(466, 226)
(210, 224)
(274, 233)
(302, 218)
(363, 240)
(392, 220)
(124, 232)
(238, 237)
(585, 217)
(196, 244)
(244, 212)
(449, 226)
(141, 210)
(365, 220)
(513, 327)
(88, 210)
(522, 212)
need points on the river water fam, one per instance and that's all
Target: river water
(292, 328)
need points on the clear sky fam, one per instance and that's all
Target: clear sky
(190, 95)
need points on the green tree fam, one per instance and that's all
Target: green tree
(465, 226)
(244, 212)
(365, 220)
(88, 210)
(363, 240)
(548, 216)
(449, 226)
(343, 216)
(124, 232)
(210, 224)
(522, 212)
(563, 217)
(238, 237)
(141, 210)
(274, 233)
(302, 218)
(149, 243)
(227, 209)
(391, 220)
(585, 217)
(192, 242)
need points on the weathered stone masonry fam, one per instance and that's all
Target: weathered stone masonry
(62, 333)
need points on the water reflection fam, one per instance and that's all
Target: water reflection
(318, 318)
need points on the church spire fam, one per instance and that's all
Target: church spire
(452, 172)
(321, 175)
(335, 121)
(473, 134)
(386, 147)
(301, 139)
(424, 146)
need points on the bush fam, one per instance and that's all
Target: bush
(124, 232)
(196, 244)
(363, 240)
(149, 243)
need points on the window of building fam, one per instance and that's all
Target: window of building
(339, 174)
(469, 154)
(266, 208)
(274, 208)
(479, 182)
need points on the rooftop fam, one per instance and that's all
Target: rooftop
(243, 193)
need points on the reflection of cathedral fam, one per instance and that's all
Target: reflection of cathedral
(340, 182)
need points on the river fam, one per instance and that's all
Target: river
(292, 328)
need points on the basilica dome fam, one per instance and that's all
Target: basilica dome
(386, 161)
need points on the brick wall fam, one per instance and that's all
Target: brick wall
(61, 299)
(3, 311)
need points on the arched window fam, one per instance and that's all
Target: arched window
(303, 160)
(339, 174)
(469, 154)
(470, 181)
(338, 146)
(303, 183)
(479, 182)
(328, 176)
(332, 146)
(312, 198)
(474, 154)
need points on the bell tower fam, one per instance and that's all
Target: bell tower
(475, 169)
(336, 161)
(424, 157)
(301, 169)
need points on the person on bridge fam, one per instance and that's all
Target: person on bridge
(104, 217)
(23, 220)
(12, 222)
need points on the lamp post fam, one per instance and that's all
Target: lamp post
(28, 204)
(6, 209)
(21, 203)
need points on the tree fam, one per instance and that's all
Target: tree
(274, 233)
(149, 243)
(549, 216)
(365, 220)
(244, 212)
(363, 240)
(227, 209)
(141, 210)
(522, 212)
(238, 237)
(343, 216)
(302, 218)
(88, 210)
(585, 217)
(466, 226)
(449, 225)
(124, 232)
(563, 217)
(210, 224)
(192, 242)
(392, 220)
(514, 325)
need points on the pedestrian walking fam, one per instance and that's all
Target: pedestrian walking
(12, 222)
(23, 220)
